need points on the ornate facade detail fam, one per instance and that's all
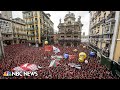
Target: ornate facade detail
(70, 31)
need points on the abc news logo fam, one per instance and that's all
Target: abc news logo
(28, 73)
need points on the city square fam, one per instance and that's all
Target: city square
(67, 53)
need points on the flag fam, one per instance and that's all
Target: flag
(72, 57)
(56, 57)
(26, 67)
(48, 48)
(53, 63)
(56, 50)
(72, 64)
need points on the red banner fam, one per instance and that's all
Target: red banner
(72, 57)
(48, 48)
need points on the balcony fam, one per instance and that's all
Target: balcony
(31, 22)
(36, 21)
(103, 20)
(7, 38)
(106, 52)
(98, 12)
(36, 28)
(30, 16)
(95, 24)
(31, 41)
(111, 15)
(76, 32)
(14, 33)
(69, 32)
(37, 35)
(61, 32)
(21, 33)
(30, 29)
(31, 34)
(107, 39)
(69, 39)
(21, 37)
(6, 33)
(108, 32)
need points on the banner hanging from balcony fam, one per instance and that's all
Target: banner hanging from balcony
(48, 48)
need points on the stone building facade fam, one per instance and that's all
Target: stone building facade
(70, 31)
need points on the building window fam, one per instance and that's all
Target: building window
(68, 36)
(104, 15)
(32, 26)
(69, 22)
(40, 21)
(36, 19)
(75, 36)
(62, 36)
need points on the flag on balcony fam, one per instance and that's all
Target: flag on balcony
(48, 48)
(56, 50)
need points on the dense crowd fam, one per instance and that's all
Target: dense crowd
(18, 54)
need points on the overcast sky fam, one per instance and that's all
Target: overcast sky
(56, 15)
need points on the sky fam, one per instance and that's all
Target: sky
(56, 15)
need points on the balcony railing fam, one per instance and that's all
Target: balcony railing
(30, 16)
(31, 34)
(9, 33)
(21, 33)
(35, 21)
(36, 28)
(107, 39)
(61, 32)
(108, 32)
(7, 38)
(32, 41)
(31, 22)
(30, 29)
(106, 53)
(111, 15)
(73, 39)
(37, 35)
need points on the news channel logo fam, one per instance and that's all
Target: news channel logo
(27, 73)
(7, 73)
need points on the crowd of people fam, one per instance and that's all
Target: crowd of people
(18, 54)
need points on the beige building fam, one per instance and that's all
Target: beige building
(19, 32)
(39, 27)
(117, 46)
(1, 42)
(104, 35)
(12, 30)
(70, 31)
